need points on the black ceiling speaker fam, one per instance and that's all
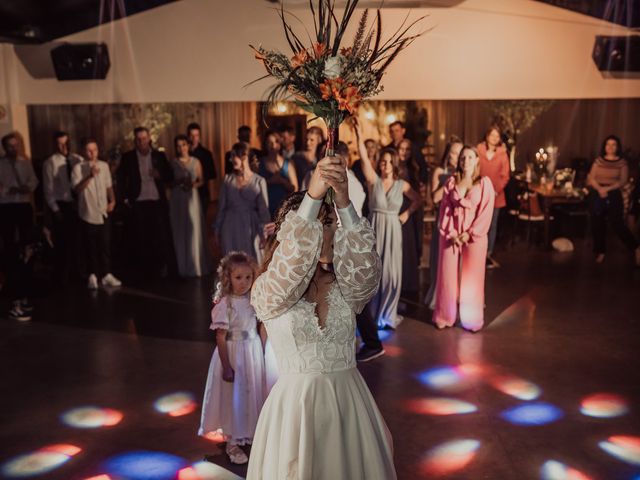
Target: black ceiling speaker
(81, 61)
(617, 56)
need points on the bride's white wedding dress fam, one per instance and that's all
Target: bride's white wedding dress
(320, 420)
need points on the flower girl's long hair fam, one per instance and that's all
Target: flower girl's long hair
(223, 273)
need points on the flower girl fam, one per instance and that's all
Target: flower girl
(236, 384)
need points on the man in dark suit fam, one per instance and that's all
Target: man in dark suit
(143, 177)
(207, 190)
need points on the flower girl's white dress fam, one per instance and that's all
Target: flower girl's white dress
(234, 407)
(320, 420)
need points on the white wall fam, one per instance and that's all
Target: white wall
(197, 50)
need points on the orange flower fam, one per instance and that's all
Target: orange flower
(319, 50)
(346, 51)
(299, 58)
(349, 99)
(325, 89)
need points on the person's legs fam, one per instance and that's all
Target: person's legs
(616, 215)
(368, 330)
(103, 253)
(493, 230)
(597, 208)
(472, 284)
(447, 285)
(91, 247)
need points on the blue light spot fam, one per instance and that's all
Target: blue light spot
(532, 414)
(440, 378)
(145, 465)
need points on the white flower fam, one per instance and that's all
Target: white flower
(332, 67)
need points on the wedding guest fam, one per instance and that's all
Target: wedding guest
(243, 206)
(398, 132)
(608, 174)
(373, 150)
(17, 184)
(206, 191)
(287, 141)
(306, 160)
(143, 178)
(278, 171)
(494, 164)
(185, 212)
(465, 217)
(244, 135)
(386, 193)
(91, 180)
(440, 176)
(59, 197)
(412, 230)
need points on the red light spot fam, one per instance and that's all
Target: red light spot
(64, 449)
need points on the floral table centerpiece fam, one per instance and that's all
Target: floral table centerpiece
(326, 78)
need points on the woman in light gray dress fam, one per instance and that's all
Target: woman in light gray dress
(386, 193)
(243, 206)
(185, 212)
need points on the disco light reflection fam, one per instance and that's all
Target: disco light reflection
(531, 414)
(554, 470)
(145, 465)
(440, 406)
(176, 404)
(449, 379)
(41, 461)
(515, 387)
(604, 405)
(449, 457)
(91, 417)
(623, 447)
(206, 471)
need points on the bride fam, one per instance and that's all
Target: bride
(320, 420)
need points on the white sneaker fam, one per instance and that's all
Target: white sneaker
(110, 281)
(92, 284)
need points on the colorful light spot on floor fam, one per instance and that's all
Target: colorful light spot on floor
(91, 417)
(145, 465)
(392, 351)
(623, 447)
(100, 477)
(532, 414)
(176, 404)
(217, 436)
(385, 334)
(446, 379)
(515, 387)
(41, 461)
(440, 406)
(206, 471)
(554, 470)
(449, 457)
(604, 405)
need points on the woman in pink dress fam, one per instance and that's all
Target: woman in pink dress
(465, 217)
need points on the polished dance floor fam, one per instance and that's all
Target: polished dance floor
(108, 385)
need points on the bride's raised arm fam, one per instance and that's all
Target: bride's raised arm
(293, 263)
(355, 259)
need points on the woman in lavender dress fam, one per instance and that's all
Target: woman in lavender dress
(243, 209)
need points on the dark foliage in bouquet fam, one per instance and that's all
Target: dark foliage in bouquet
(325, 77)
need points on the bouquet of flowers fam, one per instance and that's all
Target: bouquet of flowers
(325, 77)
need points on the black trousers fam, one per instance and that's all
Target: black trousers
(96, 239)
(16, 227)
(611, 209)
(152, 242)
(65, 242)
(368, 328)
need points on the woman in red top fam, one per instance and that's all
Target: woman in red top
(494, 163)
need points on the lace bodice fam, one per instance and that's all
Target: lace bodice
(300, 344)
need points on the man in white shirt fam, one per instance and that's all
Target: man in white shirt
(143, 177)
(59, 197)
(91, 181)
(17, 183)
